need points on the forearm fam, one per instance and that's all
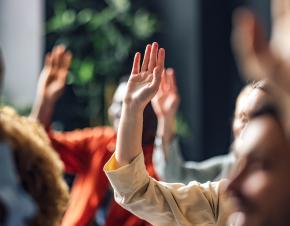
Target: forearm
(129, 137)
(162, 203)
(166, 131)
(42, 110)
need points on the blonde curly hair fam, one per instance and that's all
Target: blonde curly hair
(38, 165)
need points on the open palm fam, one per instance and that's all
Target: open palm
(166, 101)
(54, 74)
(144, 83)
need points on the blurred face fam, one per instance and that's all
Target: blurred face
(246, 105)
(115, 109)
(260, 185)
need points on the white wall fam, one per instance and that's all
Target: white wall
(21, 41)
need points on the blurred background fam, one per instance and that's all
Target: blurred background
(103, 37)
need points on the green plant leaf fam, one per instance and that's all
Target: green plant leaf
(86, 71)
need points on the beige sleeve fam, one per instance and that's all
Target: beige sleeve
(163, 203)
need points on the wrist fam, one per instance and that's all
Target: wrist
(166, 132)
(132, 108)
(166, 126)
(42, 110)
(46, 100)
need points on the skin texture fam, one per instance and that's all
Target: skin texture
(259, 184)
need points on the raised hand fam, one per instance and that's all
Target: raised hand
(51, 84)
(166, 101)
(144, 83)
(142, 86)
(269, 60)
(281, 28)
(165, 104)
(54, 74)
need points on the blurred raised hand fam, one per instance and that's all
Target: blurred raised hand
(259, 58)
(54, 74)
(51, 83)
(166, 101)
(165, 104)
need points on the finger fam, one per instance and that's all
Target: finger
(261, 43)
(172, 80)
(48, 60)
(64, 70)
(156, 78)
(53, 57)
(244, 40)
(251, 47)
(164, 83)
(288, 7)
(161, 58)
(67, 58)
(153, 57)
(279, 9)
(136, 64)
(160, 92)
(243, 29)
(59, 53)
(146, 58)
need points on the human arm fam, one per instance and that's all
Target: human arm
(165, 104)
(174, 168)
(156, 202)
(51, 84)
(259, 58)
(168, 159)
(77, 148)
(142, 86)
(90, 184)
(167, 204)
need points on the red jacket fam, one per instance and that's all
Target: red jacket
(84, 153)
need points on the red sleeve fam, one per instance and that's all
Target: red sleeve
(84, 152)
(88, 191)
(77, 147)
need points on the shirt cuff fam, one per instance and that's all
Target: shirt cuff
(129, 178)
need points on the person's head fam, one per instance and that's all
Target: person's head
(252, 97)
(115, 109)
(260, 185)
(38, 167)
(149, 120)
